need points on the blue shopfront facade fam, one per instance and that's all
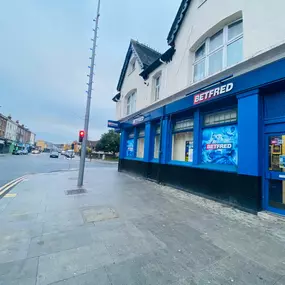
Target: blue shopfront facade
(225, 141)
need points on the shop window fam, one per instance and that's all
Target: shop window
(220, 141)
(182, 141)
(220, 51)
(156, 142)
(223, 117)
(140, 143)
(130, 144)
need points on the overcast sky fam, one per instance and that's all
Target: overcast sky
(44, 58)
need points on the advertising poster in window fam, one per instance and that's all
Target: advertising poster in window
(189, 151)
(220, 145)
(130, 148)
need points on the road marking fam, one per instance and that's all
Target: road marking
(10, 195)
(10, 184)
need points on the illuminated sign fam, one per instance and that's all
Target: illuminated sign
(113, 124)
(138, 120)
(210, 94)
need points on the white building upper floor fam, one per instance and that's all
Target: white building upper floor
(209, 39)
(11, 130)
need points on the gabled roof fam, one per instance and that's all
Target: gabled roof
(178, 21)
(144, 55)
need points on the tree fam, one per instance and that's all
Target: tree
(109, 142)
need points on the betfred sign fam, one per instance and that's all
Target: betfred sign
(138, 120)
(113, 124)
(210, 94)
(214, 146)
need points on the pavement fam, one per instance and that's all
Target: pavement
(14, 166)
(125, 230)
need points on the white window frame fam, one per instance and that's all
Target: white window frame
(156, 88)
(222, 47)
(131, 103)
(157, 81)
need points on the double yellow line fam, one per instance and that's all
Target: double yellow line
(7, 187)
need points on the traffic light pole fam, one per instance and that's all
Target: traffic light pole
(89, 92)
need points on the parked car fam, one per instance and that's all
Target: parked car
(69, 153)
(17, 152)
(63, 152)
(35, 151)
(25, 152)
(53, 154)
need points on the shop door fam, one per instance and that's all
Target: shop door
(274, 182)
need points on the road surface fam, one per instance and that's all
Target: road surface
(14, 166)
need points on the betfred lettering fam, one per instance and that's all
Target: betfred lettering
(214, 146)
(205, 96)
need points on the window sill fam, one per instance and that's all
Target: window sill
(181, 163)
(216, 167)
(133, 158)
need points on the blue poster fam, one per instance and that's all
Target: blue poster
(130, 148)
(220, 145)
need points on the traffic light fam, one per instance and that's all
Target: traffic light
(81, 136)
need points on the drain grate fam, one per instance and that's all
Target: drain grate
(75, 191)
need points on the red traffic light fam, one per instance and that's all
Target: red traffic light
(81, 136)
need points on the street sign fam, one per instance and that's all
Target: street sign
(113, 124)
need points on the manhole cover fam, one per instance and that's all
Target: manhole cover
(99, 214)
(75, 191)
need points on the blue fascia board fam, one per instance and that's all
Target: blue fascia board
(150, 116)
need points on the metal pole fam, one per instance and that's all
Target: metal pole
(89, 92)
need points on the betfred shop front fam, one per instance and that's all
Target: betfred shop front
(224, 142)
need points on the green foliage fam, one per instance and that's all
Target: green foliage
(109, 142)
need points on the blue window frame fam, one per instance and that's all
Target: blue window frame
(183, 140)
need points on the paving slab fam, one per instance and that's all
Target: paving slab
(98, 277)
(68, 263)
(19, 272)
(59, 241)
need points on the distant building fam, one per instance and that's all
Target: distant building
(41, 145)
(11, 130)
(32, 139)
(3, 123)
(92, 144)
(3, 145)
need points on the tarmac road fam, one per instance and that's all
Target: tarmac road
(14, 166)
